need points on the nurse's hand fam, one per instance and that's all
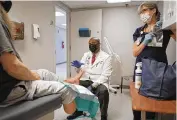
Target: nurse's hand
(148, 38)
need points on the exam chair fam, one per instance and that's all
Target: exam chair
(31, 110)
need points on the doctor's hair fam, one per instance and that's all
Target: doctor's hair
(6, 19)
(95, 38)
(151, 6)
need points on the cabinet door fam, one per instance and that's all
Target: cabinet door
(169, 15)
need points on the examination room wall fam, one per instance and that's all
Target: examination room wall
(38, 53)
(119, 25)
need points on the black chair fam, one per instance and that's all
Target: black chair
(31, 110)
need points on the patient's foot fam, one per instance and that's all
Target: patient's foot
(75, 115)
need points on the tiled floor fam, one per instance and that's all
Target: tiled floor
(119, 108)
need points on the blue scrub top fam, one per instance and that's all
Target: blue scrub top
(156, 53)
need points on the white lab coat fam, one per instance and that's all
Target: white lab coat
(101, 69)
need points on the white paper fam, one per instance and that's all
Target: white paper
(36, 33)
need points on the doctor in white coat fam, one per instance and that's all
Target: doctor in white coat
(98, 69)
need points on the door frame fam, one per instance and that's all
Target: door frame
(65, 8)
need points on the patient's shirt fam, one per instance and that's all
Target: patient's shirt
(6, 81)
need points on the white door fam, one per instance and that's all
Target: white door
(60, 45)
(91, 19)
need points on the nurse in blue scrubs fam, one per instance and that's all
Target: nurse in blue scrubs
(143, 35)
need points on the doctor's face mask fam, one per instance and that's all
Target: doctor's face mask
(94, 45)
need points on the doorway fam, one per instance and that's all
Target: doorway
(61, 39)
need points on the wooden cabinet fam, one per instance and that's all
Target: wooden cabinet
(169, 15)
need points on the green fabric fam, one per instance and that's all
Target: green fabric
(85, 100)
(88, 106)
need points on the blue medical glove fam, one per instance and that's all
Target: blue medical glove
(148, 38)
(76, 64)
(158, 24)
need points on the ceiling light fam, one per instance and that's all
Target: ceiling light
(63, 24)
(59, 14)
(118, 1)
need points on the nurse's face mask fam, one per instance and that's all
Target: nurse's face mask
(147, 14)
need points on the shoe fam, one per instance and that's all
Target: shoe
(75, 115)
(103, 117)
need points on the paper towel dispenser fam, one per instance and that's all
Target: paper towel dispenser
(84, 32)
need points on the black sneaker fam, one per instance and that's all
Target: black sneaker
(75, 115)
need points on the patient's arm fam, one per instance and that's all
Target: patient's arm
(16, 68)
(137, 49)
(75, 80)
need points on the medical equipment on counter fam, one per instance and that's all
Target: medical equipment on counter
(117, 58)
(138, 75)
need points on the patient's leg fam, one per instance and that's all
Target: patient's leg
(43, 88)
(49, 76)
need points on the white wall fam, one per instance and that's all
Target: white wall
(119, 25)
(36, 53)
(91, 19)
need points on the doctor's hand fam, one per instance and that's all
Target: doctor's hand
(76, 64)
(148, 38)
(95, 85)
